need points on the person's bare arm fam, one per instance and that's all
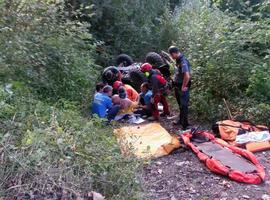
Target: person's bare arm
(143, 106)
(185, 81)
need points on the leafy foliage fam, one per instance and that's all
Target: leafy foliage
(127, 26)
(47, 149)
(44, 146)
(253, 9)
(259, 87)
(48, 67)
(43, 49)
(230, 59)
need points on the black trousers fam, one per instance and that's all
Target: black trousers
(144, 112)
(182, 99)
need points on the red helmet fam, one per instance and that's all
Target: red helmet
(146, 67)
(117, 85)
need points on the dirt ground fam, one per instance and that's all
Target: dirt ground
(181, 176)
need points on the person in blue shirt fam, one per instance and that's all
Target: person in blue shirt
(102, 104)
(146, 93)
(182, 83)
(145, 101)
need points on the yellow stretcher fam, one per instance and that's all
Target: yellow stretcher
(146, 141)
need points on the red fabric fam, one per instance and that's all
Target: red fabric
(132, 94)
(160, 99)
(217, 167)
(146, 67)
(161, 80)
(117, 84)
(202, 156)
(158, 83)
(245, 178)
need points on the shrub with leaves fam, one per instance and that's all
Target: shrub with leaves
(47, 149)
(53, 152)
(229, 60)
(44, 49)
(259, 87)
(126, 26)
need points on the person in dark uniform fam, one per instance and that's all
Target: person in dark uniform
(182, 83)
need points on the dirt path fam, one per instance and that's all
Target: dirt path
(181, 176)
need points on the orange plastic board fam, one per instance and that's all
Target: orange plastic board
(146, 141)
(258, 146)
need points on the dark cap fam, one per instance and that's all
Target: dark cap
(107, 89)
(173, 49)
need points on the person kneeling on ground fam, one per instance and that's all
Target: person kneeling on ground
(145, 101)
(103, 106)
(132, 94)
(126, 105)
(159, 89)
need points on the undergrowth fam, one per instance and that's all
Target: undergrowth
(53, 152)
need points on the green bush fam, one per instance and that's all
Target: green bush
(126, 26)
(259, 87)
(47, 71)
(259, 112)
(229, 60)
(46, 149)
(48, 53)
(45, 50)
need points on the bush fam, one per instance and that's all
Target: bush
(48, 150)
(55, 153)
(229, 60)
(259, 112)
(43, 49)
(126, 27)
(259, 87)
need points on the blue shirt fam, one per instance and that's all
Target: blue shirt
(182, 66)
(101, 104)
(147, 97)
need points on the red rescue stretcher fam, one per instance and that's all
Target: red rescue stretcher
(224, 159)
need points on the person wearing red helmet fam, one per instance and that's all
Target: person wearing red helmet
(132, 94)
(159, 87)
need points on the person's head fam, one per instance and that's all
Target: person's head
(99, 87)
(146, 68)
(116, 99)
(174, 52)
(117, 85)
(144, 87)
(122, 92)
(109, 75)
(108, 90)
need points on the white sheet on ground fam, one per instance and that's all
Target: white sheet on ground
(135, 120)
(253, 137)
(131, 118)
